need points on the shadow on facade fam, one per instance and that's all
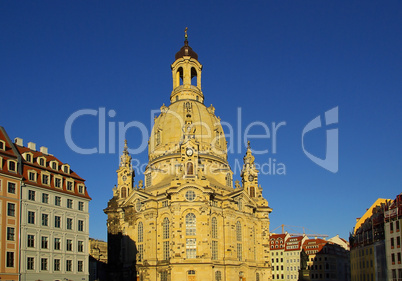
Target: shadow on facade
(122, 252)
(332, 262)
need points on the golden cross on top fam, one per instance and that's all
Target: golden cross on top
(185, 32)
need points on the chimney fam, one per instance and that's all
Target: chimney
(19, 141)
(43, 149)
(32, 146)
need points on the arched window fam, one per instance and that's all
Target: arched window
(158, 137)
(123, 192)
(218, 276)
(252, 191)
(165, 228)
(190, 168)
(140, 245)
(140, 232)
(190, 224)
(228, 179)
(214, 223)
(179, 77)
(194, 77)
(165, 236)
(238, 231)
(214, 228)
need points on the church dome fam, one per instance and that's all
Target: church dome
(187, 119)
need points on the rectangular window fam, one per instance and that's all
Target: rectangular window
(80, 225)
(11, 188)
(69, 203)
(393, 258)
(31, 195)
(214, 250)
(10, 233)
(69, 223)
(32, 176)
(57, 221)
(69, 265)
(69, 186)
(140, 252)
(43, 264)
(45, 198)
(45, 179)
(10, 259)
(391, 227)
(69, 245)
(166, 250)
(398, 242)
(392, 243)
(30, 263)
(56, 265)
(45, 242)
(57, 200)
(57, 182)
(31, 217)
(80, 246)
(54, 166)
(45, 219)
(191, 250)
(397, 226)
(81, 206)
(239, 252)
(31, 241)
(57, 243)
(80, 189)
(11, 209)
(80, 266)
(11, 166)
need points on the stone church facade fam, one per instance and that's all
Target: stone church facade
(188, 221)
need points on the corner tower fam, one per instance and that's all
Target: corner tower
(188, 222)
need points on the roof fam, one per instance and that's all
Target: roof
(369, 212)
(186, 50)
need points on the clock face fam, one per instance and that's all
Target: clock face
(124, 178)
(250, 178)
(189, 152)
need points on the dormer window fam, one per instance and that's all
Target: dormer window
(66, 169)
(54, 165)
(32, 175)
(45, 179)
(70, 186)
(57, 182)
(2, 145)
(28, 157)
(41, 161)
(81, 189)
(12, 165)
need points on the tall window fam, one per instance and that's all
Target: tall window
(166, 236)
(164, 276)
(80, 266)
(148, 179)
(57, 221)
(252, 191)
(31, 217)
(57, 200)
(257, 277)
(80, 246)
(140, 241)
(69, 203)
(45, 219)
(239, 240)
(69, 265)
(10, 233)
(45, 242)
(80, 225)
(190, 168)
(56, 265)
(57, 243)
(191, 248)
(31, 195)
(123, 192)
(190, 224)
(228, 179)
(30, 263)
(11, 188)
(11, 209)
(43, 263)
(69, 223)
(10, 259)
(218, 276)
(69, 245)
(45, 198)
(214, 238)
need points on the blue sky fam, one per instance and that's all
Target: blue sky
(279, 61)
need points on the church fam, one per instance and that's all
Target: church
(188, 221)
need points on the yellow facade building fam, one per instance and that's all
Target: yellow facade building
(188, 222)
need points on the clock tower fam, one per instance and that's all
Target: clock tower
(125, 175)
